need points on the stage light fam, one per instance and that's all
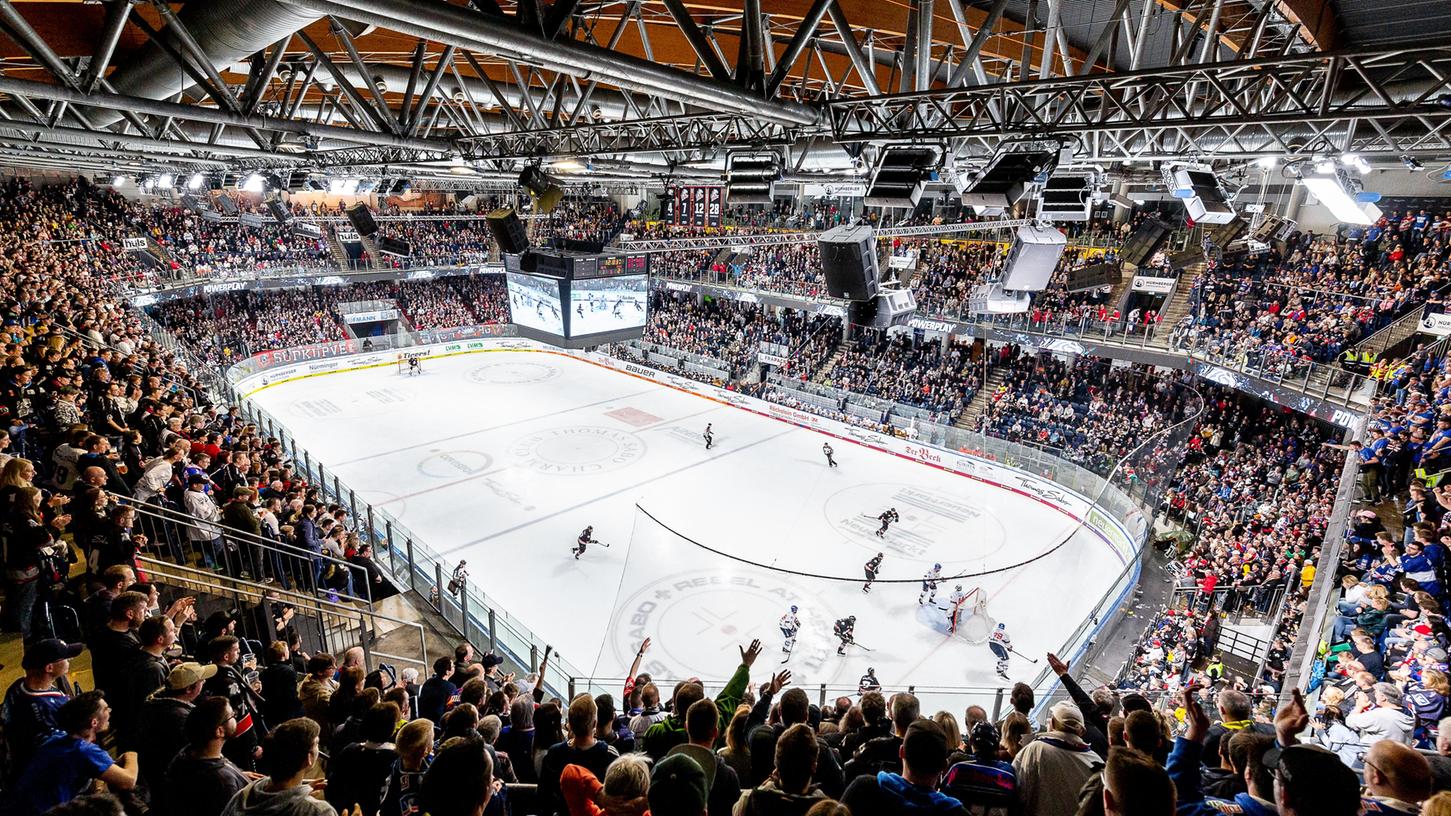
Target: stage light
(1338, 192)
(1267, 162)
(196, 181)
(253, 183)
(164, 181)
(118, 181)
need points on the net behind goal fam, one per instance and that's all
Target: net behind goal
(969, 619)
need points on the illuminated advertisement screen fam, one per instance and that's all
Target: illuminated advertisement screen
(534, 303)
(607, 304)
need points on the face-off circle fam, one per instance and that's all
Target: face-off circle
(513, 372)
(578, 450)
(694, 617)
(442, 464)
(935, 526)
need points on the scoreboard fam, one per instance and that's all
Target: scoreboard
(577, 299)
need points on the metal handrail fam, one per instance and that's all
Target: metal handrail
(168, 515)
(366, 619)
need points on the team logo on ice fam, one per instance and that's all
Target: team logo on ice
(514, 372)
(696, 616)
(577, 450)
(453, 464)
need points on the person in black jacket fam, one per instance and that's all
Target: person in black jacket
(437, 691)
(358, 774)
(581, 748)
(795, 708)
(244, 746)
(200, 781)
(165, 714)
(279, 685)
(884, 753)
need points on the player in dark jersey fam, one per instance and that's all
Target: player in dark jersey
(844, 630)
(709, 437)
(586, 537)
(886, 518)
(826, 449)
(872, 568)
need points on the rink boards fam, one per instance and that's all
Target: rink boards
(1047, 575)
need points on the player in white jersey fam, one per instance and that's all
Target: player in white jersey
(790, 625)
(929, 585)
(1001, 646)
(952, 601)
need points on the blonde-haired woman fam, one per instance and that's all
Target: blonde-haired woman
(1438, 805)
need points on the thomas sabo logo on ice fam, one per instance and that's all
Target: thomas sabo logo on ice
(579, 450)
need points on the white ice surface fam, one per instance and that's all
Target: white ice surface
(503, 457)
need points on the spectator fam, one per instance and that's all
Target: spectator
(624, 792)
(460, 781)
(702, 726)
(1234, 716)
(1383, 720)
(292, 749)
(65, 765)
(200, 780)
(32, 701)
(1051, 769)
(358, 774)
(280, 702)
(581, 748)
(165, 715)
(1135, 785)
(924, 752)
(1397, 778)
(415, 749)
(788, 791)
(437, 690)
(794, 709)
(884, 753)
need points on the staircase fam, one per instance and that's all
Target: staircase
(821, 373)
(967, 420)
(335, 249)
(1179, 302)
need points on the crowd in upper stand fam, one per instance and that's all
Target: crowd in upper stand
(180, 724)
(733, 332)
(1323, 295)
(918, 374)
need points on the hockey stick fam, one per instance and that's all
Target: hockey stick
(1020, 654)
(863, 648)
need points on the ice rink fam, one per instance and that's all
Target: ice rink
(503, 457)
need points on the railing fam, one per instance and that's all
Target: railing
(330, 627)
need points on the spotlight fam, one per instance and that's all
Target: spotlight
(196, 181)
(1341, 193)
(1267, 162)
(164, 181)
(253, 183)
(118, 181)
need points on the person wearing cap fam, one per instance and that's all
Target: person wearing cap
(203, 532)
(68, 763)
(165, 714)
(1382, 718)
(984, 782)
(914, 791)
(1397, 779)
(32, 701)
(1052, 768)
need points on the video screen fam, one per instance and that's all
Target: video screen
(534, 303)
(607, 304)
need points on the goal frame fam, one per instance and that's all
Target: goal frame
(401, 364)
(972, 604)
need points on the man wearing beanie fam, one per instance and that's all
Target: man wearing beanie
(1053, 767)
(914, 791)
(677, 787)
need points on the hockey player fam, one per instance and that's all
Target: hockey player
(1001, 645)
(957, 597)
(586, 537)
(826, 449)
(929, 585)
(872, 567)
(886, 518)
(868, 682)
(843, 629)
(709, 437)
(790, 625)
(413, 368)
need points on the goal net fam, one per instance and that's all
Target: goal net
(404, 357)
(969, 619)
